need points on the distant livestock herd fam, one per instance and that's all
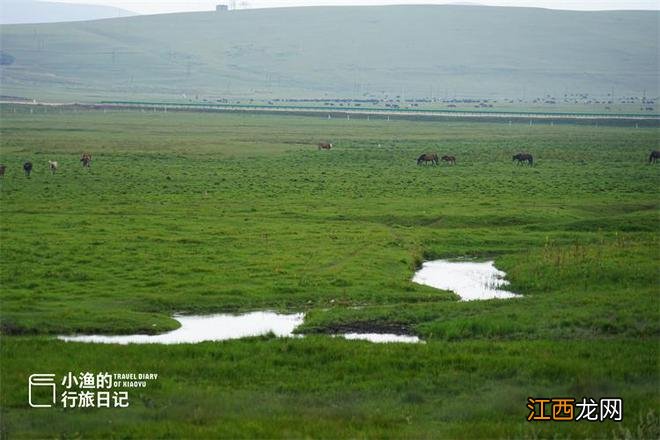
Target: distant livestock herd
(85, 160)
(520, 158)
(432, 158)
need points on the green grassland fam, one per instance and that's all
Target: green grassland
(407, 51)
(193, 212)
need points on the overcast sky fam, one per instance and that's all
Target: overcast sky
(162, 6)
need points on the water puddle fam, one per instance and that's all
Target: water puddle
(471, 281)
(223, 327)
(196, 329)
(382, 338)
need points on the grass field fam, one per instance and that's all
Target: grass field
(206, 213)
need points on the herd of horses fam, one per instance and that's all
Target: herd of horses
(426, 158)
(520, 158)
(85, 160)
(433, 159)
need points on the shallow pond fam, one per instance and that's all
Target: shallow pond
(469, 280)
(208, 328)
(222, 327)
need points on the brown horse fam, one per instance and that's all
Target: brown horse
(428, 157)
(324, 145)
(655, 155)
(524, 157)
(27, 167)
(2, 170)
(86, 160)
(451, 160)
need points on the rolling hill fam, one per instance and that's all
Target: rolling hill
(32, 11)
(413, 51)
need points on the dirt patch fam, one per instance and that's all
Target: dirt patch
(11, 329)
(368, 327)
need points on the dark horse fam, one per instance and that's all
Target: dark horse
(449, 159)
(655, 155)
(27, 167)
(428, 157)
(325, 145)
(2, 170)
(86, 160)
(524, 157)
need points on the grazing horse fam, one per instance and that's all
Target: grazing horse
(27, 167)
(449, 159)
(655, 155)
(428, 157)
(325, 145)
(86, 159)
(52, 166)
(524, 157)
(2, 170)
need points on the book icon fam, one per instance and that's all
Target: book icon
(41, 388)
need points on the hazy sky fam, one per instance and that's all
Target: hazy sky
(161, 6)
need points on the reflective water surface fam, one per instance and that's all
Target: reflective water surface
(208, 328)
(381, 337)
(469, 280)
(222, 327)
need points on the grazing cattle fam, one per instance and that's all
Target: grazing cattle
(52, 166)
(524, 157)
(428, 157)
(86, 159)
(325, 145)
(27, 167)
(451, 160)
(2, 170)
(655, 155)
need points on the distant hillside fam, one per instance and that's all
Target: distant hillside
(32, 11)
(342, 51)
